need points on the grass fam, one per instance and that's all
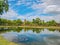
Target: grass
(5, 42)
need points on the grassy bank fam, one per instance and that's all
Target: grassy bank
(53, 27)
(5, 42)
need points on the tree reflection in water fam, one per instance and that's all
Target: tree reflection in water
(35, 36)
(37, 30)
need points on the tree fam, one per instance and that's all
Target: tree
(51, 23)
(19, 22)
(28, 23)
(3, 6)
(3, 21)
(34, 22)
(37, 21)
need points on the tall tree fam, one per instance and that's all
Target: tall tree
(3, 6)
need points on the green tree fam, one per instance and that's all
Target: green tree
(28, 23)
(19, 22)
(3, 6)
(3, 21)
(51, 23)
(37, 21)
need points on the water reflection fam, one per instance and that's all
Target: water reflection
(37, 30)
(33, 36)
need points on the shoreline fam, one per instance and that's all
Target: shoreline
(53, 27)
(3, 41)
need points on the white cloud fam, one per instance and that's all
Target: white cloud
(9, 15)
(52, 9)
(49, 6)
(51, 2)
(52, 6)
(45, 18)
(57, 18)
(35, 6)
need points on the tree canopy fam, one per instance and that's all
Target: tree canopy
(34, 22)
(3, 6)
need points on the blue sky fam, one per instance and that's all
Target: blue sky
(29, 9)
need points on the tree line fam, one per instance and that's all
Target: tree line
(34, 22)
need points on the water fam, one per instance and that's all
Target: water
(24, 36)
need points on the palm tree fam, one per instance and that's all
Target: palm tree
(3, 6)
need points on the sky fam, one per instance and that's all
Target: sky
(30, 9)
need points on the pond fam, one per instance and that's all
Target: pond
(35, 36)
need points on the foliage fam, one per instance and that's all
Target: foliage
(34, 22)
(3, 6)
(51, 23)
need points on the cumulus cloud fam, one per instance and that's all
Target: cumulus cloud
(10, 14)
(52, 6)
(48, 7)
(51, 2)
(54, 9)
(45, 18)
